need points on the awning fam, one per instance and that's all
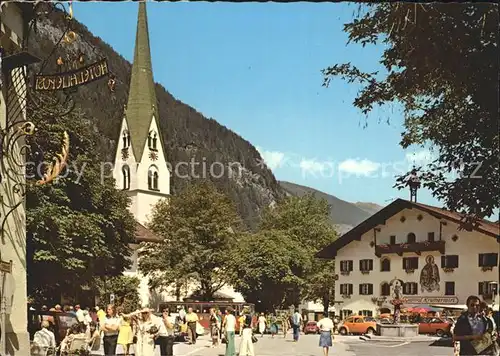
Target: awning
(460, 306)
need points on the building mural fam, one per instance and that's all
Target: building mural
(429, 276)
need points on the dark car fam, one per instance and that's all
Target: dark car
(311, 328)
(59, 323)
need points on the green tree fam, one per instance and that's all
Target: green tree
(124, 288)
(291, 234)
(196, 227)
(441, 66)
(78, 227)
(264, 267)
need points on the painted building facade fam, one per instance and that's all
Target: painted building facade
(419, 251)
(13, 285)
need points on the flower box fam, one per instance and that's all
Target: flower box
(484, 268)
(345, 273)
(448, 270)
(410, 270)
(346, 296)
(365, 272)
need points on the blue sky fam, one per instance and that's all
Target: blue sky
(255, 68)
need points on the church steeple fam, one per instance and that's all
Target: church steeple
(142, 105)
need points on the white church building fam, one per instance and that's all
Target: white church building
(141, 167)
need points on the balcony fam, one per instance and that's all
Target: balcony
(418, 248)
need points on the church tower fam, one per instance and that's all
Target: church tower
(141, 169)
(141, 164)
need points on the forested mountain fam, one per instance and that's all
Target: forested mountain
(187, 133)
(342, 213)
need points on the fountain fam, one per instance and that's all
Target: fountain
(396, 329)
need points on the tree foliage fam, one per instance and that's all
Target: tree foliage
(125, 290)
(196, 227)
(442, 67)
(278, 263)
(78, 227)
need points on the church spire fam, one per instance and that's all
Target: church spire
(142, 103)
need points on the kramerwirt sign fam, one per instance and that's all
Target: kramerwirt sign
(430, 300)
(72, 78)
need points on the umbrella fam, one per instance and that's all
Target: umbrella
(422, 308)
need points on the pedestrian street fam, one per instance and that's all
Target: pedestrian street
(308, 346)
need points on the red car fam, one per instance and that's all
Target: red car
(311, 328)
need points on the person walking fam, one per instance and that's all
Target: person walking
(125, 334)
(296, 323)
(214, 327)
(229, 326)
(471, 327)
(326, 326)
(273, 326)
(246, 345)
(262, 324)
(192, 319)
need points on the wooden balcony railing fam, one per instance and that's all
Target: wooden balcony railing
(417, 248)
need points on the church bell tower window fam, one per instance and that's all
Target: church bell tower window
(152, 141)
(126, 139)
(153, 178)
(126, 177)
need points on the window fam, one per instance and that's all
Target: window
(430, 237)
(410, 263)
(364, 313)
(126, 177)
(450, 261)
(126, 139)
(410, 288)
(153, 178)
(488, 259)
(393, 239)
(346, 289)
(485, 288)
(346, 266)
(152, 140)
(449, 288)
(385, 289)
(411, 238)
(385, 265)
(366, 265)
(365, 289)
(346, 313)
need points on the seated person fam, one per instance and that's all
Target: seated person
(93, 336)
(75, 331)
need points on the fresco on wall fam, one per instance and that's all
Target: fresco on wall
(429, 276)
(397, 288)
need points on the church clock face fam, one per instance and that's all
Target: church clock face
(153, 156)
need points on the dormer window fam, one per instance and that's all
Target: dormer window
(126, 139)
(152, 141)
(153, 178)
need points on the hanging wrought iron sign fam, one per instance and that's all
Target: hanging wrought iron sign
(74, 78)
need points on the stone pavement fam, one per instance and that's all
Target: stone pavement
(308, 346)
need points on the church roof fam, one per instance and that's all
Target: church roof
(483, 226)
(142, 103)
(143, 234)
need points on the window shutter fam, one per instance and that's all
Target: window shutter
(455, 261)
(350, 266)
(370, 288)
(360, 265)
(370, 265)
(481, 291)
(361, 289)
(494, 259)
(481, 259)
(404, 263)
(443, 261)
(350, 289)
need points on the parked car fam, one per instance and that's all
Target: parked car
(311, 328)
(358, 325)
(437, 326)
(59, 323)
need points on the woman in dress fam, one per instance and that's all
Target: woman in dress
(262, 324)
(125, 334)
(214, 327)
(325, 326)
(273, 325)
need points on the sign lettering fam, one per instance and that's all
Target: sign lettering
(431, 300)
(73, 78)
(5, 267)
